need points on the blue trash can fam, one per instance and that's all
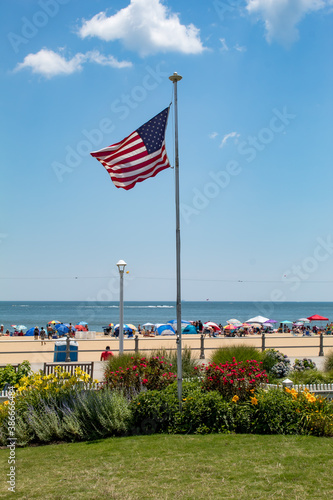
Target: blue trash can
(60, 351)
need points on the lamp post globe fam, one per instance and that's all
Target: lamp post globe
(121, 264)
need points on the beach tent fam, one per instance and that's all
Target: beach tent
(30, 332)
(163, 329)
(190, 330)
(173, 323)
(316, 317)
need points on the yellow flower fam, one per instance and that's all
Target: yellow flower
(235, 398)
(254, 401)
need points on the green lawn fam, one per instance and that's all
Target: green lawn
(175, 467)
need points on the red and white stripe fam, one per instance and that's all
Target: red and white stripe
(128, 161)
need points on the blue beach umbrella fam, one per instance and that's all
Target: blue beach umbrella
(126, 328)
(62, 328)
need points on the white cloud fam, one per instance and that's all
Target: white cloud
(240, 48)
(234, 135)
(224, 44)
(97, 57)
(213, 135)
(145, 26)
(282, 16)
(49, 63)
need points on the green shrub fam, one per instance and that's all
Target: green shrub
(233, 379)
(328, 363)
(241, 352)
(10, 377)
(204, 413)
(274, 413)
(85, 415)
(153, 411)
(311, 377)
(148, 373)
(100, 414)
(315, 412)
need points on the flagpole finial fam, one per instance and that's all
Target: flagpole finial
(175, 77)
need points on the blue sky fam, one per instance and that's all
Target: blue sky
(255, 134)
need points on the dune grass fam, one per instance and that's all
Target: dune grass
(241, 352)
(175, 467)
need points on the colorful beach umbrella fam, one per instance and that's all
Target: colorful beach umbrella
(231, 327)
(213, 325)
(234, 321)
(54, 322)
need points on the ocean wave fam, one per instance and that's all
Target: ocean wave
(101, 307)
(148, 307)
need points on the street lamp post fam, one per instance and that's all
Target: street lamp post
(121, 266)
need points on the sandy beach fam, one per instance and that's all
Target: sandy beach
(18, 349)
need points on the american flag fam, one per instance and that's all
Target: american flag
(140, 155)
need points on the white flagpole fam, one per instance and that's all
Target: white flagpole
(176, 78)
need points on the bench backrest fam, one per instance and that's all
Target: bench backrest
(70, 367)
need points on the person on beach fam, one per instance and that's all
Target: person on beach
(36, 333)
(1, 329)
(42, 336)
(49, 332)
(106, 354)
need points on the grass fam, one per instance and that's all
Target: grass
(328, 366)
(176, 467)
(241, 352)
(188, 363)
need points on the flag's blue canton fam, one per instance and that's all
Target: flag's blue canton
(152, 133)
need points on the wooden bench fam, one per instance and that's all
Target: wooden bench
(14, 366)
(70, 367)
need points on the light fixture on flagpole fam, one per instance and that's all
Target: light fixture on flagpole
(121, 267)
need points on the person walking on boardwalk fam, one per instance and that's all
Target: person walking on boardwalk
(36, 333)
(42, 336)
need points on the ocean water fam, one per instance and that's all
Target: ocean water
(100, 314)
